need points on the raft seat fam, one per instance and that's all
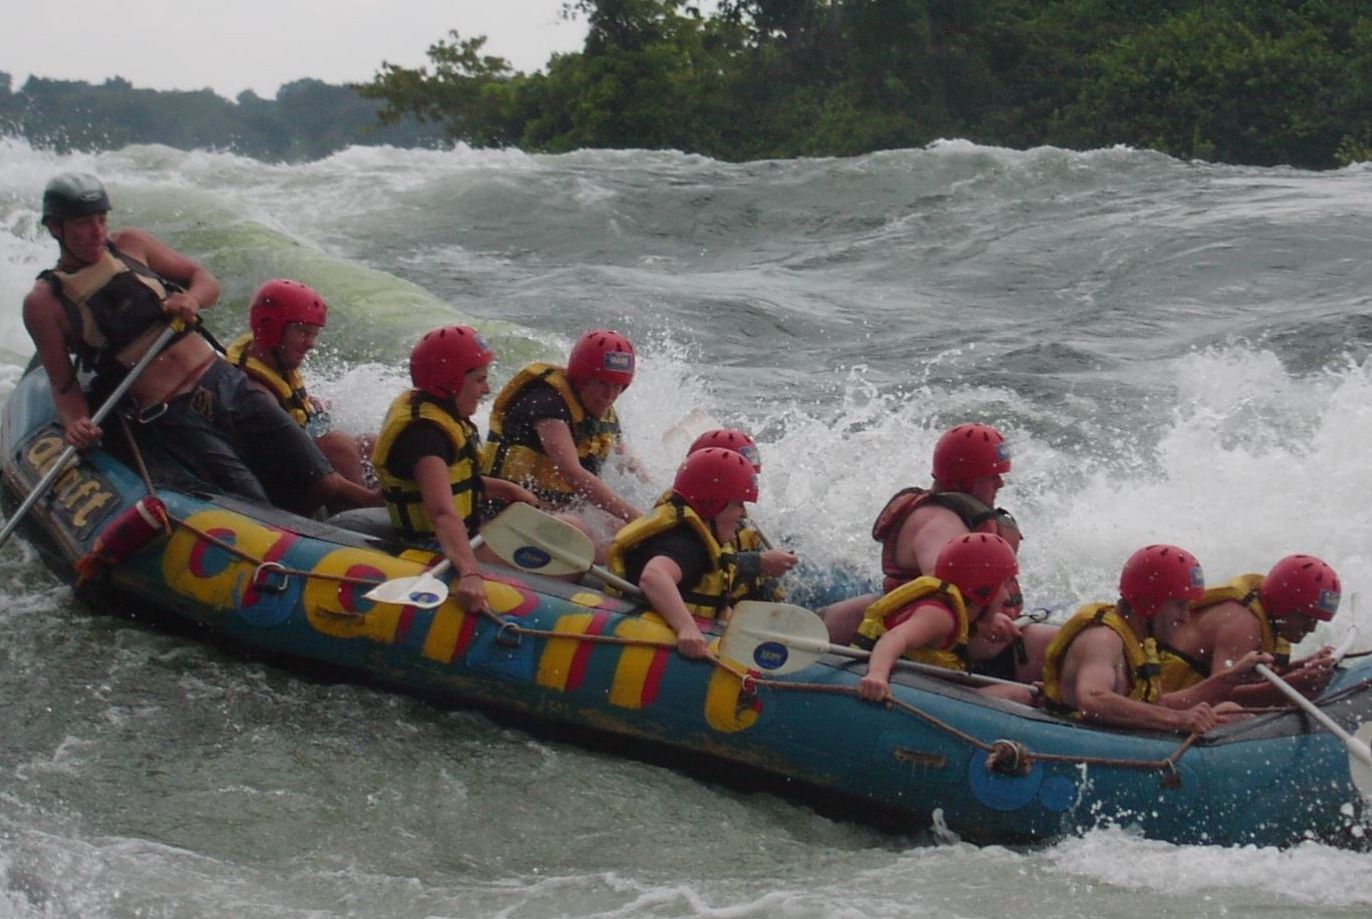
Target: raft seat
(368, 521)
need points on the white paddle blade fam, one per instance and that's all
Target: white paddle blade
(532, 540)
(424, 591)
(1360, 767)
(774, 638)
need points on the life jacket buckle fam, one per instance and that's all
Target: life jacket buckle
(271, 577)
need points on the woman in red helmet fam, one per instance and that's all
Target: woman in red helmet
(427, 453)
(1104, 665)
(1254, 612)
(553, 428)
(758, 563)
(681, 555)
(285, 318)
(932, 619)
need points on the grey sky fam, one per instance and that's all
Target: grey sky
(260, 44)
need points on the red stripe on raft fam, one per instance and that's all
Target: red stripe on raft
(576, 672)
(652, 682)
(464, 635)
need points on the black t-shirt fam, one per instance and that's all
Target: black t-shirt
(679, 544)
(536, 402)
(420, 439)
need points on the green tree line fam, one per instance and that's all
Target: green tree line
(1238, 81)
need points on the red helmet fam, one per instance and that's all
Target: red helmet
(1155, 574)
(968, 452)
(713, 478)
(729, 439)
(280, 302)
(1301, 584)
(976, 564)
(444, 356)
(601, 355)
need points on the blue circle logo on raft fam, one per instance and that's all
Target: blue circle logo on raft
(770, 655)
(531, 558)
(1001, 792)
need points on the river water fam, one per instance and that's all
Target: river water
(1176, 351)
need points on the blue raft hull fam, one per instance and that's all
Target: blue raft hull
(564, 655)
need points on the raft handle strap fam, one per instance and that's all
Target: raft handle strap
(271, 577)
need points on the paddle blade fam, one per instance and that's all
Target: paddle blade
(424, 591)
(1359, 770)
(532, 540)
(775, 638)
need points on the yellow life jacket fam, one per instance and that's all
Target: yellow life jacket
(1145, 672)
(1180, 670)
(527, 464)
(709, 596)
(288, 387)
(873, 624)
(403, 500)
(748, 539)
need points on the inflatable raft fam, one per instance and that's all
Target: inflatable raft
(128, 530)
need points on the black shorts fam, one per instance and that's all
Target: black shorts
(238, 437)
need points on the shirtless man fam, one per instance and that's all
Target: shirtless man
(107, 300)
(1254, 612)
(1103, 665)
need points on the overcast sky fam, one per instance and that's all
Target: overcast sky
(233, 45)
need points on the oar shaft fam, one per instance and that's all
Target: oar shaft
(615, 581)
(105, 408)
(804, 643)
(1355, 746)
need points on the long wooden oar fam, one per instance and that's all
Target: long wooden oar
(780, 638)
(532, 540)
(1359, 754)
(105, 408)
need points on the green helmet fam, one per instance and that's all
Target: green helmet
(74, 194)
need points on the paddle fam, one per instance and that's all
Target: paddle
(779, 638)
(532, 540)
(424, 591)
(105, 408)
(1360, 755)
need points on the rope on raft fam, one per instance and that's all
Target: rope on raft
(1004, 756)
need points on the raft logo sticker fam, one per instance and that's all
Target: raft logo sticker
(770, 655)
(531, 558)
(81, 498)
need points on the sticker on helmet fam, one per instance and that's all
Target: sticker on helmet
(1328, 602)
(1003, 452)
(749, 452)
(1197, 577)
(619, 361)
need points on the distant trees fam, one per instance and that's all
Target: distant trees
(1281, 81)
(308, 119)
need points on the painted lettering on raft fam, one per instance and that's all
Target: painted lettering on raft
(81, 498)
